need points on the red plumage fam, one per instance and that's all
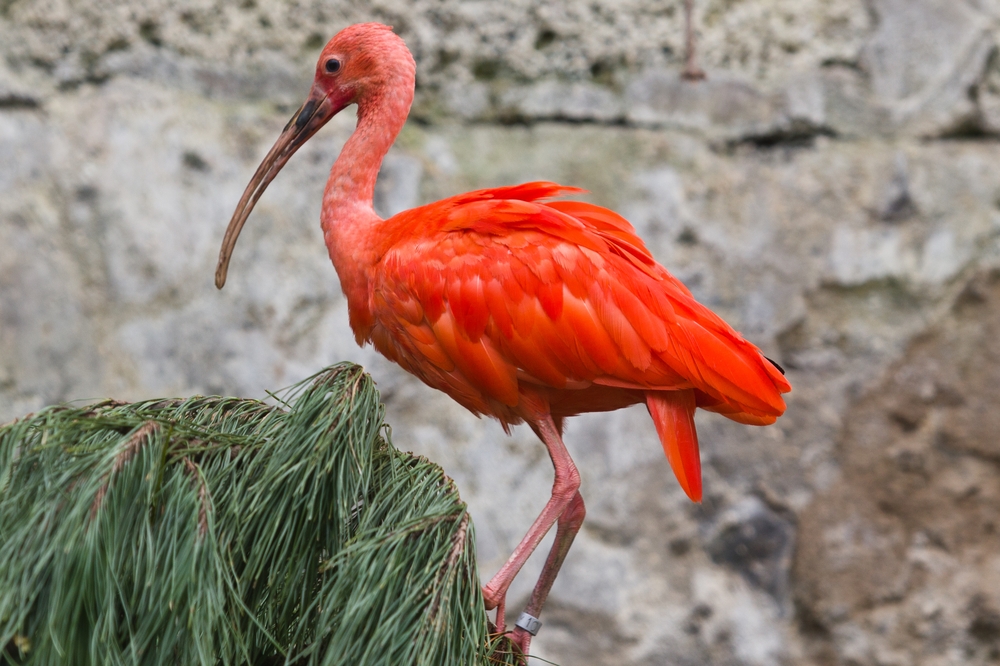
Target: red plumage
(516, 306)
(559, 295)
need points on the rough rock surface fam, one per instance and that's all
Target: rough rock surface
(831, 189)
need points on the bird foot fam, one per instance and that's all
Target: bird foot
(519, 637)
(522, 639)
(518, 642)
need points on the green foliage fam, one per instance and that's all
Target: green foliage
(226, 531)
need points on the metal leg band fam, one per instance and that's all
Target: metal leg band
(529, 623)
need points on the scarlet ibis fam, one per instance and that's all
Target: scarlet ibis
(517, 306)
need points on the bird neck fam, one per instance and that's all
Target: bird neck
(350, 224)
(380, 118)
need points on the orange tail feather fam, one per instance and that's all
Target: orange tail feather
(673, 414)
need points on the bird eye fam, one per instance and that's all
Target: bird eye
(332, 66)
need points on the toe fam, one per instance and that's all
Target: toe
(522, 639)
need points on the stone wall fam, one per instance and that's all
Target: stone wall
(832, 189)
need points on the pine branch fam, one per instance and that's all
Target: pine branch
(225, 531)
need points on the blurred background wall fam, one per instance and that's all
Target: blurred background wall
(832, 189)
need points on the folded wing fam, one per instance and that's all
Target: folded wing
(500, 287)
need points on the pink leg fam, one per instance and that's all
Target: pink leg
(564, 490)
(566, 529)
(501, 613)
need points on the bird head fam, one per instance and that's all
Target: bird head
(364, 64)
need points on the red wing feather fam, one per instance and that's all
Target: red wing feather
(561, 293)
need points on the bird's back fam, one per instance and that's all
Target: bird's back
(484, 293)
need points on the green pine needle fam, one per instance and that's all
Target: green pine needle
(227, 531)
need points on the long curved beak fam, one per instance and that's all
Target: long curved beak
(311, 116)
